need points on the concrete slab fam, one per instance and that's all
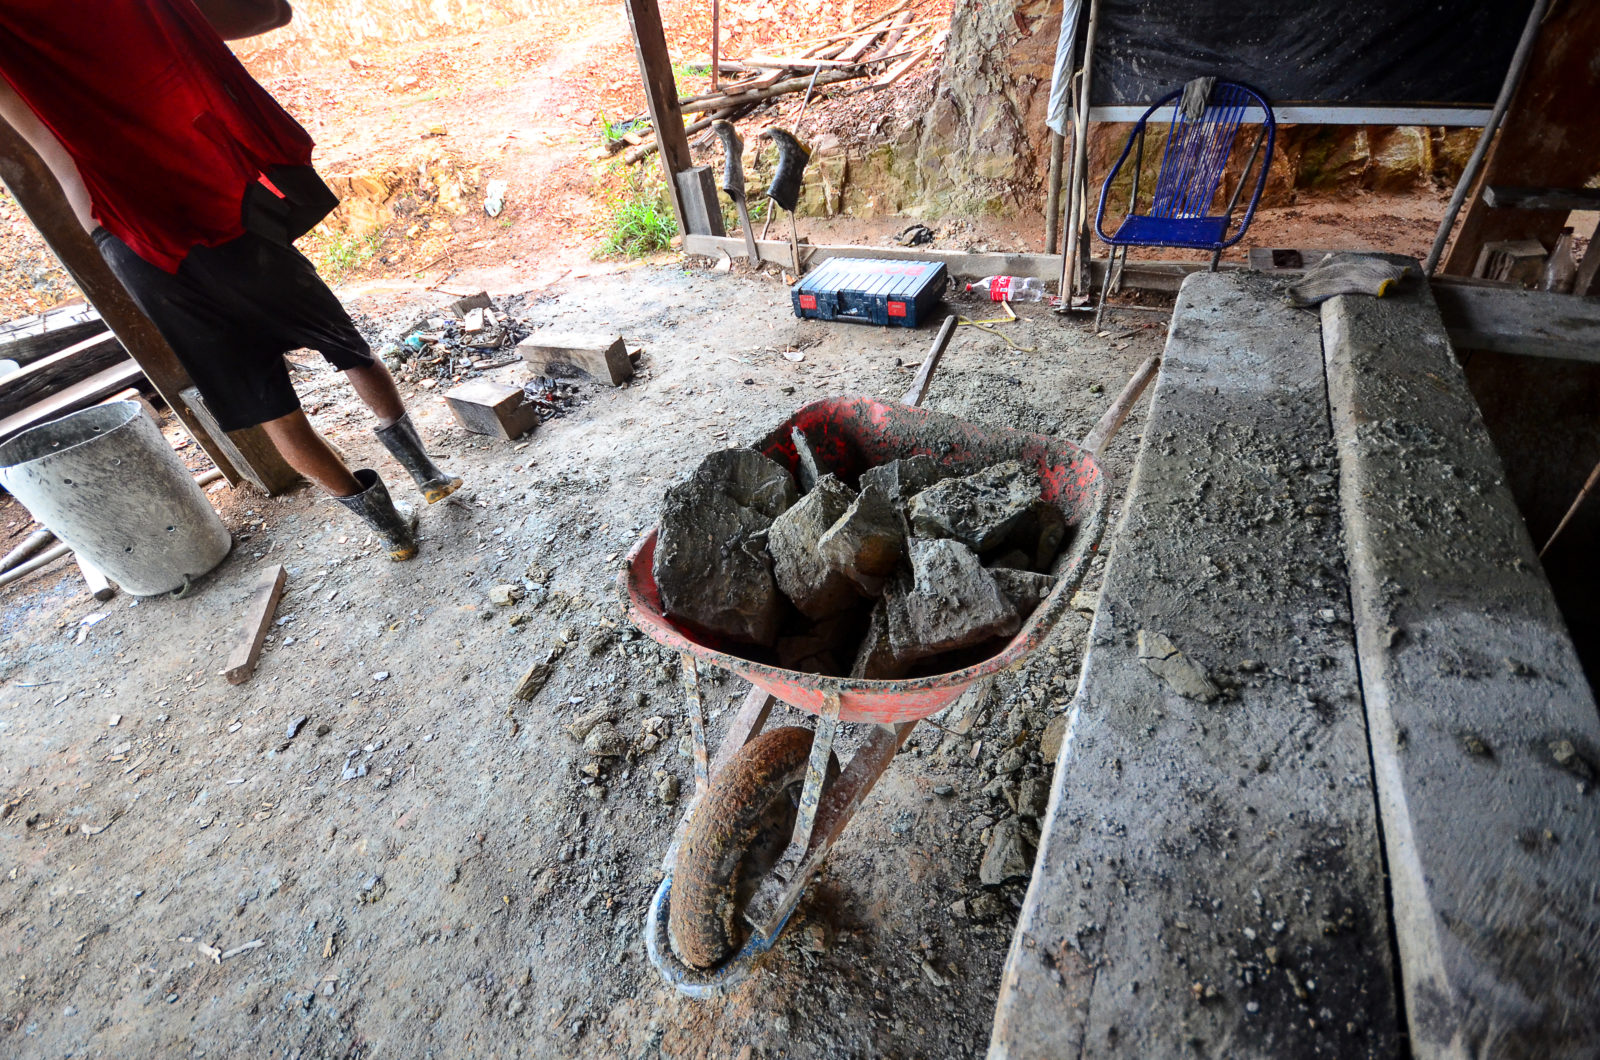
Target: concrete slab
(1209, 880)
(1485, 737)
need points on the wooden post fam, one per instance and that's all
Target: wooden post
(1549, 136)
(661, 98)
(1052, 201)
(1072, 277)
(34, 187)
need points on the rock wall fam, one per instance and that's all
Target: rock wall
(975, 140)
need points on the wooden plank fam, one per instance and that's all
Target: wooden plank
(661, 96)
(1506, 197)
(1144, 275)
(601, 356)
(58, 371)
(1484, 733)
(249, 451)
(77, 396)
(31, 338)
(1209, 881)
(263, 604)
(40, 197)
(98, 585)
(1549, 136)
(698, 193)
(1511, 320)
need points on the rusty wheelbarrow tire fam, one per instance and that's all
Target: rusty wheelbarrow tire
(712, 879)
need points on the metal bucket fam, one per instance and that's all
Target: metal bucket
(106, 482)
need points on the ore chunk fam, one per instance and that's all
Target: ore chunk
(876, 660)
(867, 541)
(711, 564)
(904, 478)
(751, 480)
(1039, 534)
(953, 602)
(805, 577)
(980, 510)
(1012, 846)
(807, 466)
(1024, 589)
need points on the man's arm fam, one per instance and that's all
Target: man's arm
(234, 19)
(17, 114)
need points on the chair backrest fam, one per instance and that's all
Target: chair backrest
(1197, 151)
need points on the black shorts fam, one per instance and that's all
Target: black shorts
(231, 312)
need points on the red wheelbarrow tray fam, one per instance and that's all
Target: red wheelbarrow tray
(849, 435)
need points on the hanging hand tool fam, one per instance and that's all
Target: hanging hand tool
(786, 180)
(733, 183)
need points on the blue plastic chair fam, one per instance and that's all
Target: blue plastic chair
(1189, 182)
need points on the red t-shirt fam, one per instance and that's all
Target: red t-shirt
(165, 124)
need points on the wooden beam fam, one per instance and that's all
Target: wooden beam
(661, 96)
(1143, 275)
(249, 450)
(1505, 197)
(1511, 320)
(36, 191)
(80, 395)
(1482, 729)
(1549, 137)
(262, 604)
(58, 371)
(28, 339)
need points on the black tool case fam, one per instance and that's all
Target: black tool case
(870, 291)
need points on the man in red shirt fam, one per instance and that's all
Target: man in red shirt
(194, 184)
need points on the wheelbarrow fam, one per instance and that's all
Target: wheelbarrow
(727, 845)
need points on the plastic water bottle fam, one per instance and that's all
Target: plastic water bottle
(1011, 289)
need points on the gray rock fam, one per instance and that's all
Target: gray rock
(979, 510)
(1033, 797)
(876, 660)
(505, 595)
(1012, 846)
(807, 468)
(1181, 674)
(605, 741)
(711, 563)
(1054, 732)
(805, 577)
(867, 541)
(953, 602)
(903, 479)
(1024, 589)
(1039, 535)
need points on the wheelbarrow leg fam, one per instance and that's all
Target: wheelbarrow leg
(697, 722)
(778, 894)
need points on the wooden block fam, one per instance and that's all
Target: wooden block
(481, 300)
(601, 357)
(258, 619)
(702, 213)
(99, 587)
(1563, 199)
(1511, 320)
(77, 396)
(486, 407)
(1518, 261)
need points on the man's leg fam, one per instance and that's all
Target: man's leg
(363, 492)
(309, 454)
(375, 386)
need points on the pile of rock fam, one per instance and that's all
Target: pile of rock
(916, 569)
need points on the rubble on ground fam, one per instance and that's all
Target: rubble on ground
(921, 570)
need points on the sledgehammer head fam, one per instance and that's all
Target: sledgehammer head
(792, 158)
(732, 159)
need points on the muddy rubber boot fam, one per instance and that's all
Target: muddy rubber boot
(405, 445)
(791, 172)
(395, 524)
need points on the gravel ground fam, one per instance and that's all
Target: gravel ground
(428, 866)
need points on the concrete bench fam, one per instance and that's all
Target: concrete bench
(1262, 727)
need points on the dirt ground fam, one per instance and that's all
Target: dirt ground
(474, 893)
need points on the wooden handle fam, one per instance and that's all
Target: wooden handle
(919, 386)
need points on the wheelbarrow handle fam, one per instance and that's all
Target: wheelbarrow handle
(919, 386)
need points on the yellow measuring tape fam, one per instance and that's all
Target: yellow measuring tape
(984, 325)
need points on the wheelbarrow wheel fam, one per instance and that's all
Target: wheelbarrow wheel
(739, 831)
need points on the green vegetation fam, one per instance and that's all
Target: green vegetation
(638, 220)
(613, 131)
(344, 253)
(683, 70)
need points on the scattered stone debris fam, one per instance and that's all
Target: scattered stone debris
(1009, 856)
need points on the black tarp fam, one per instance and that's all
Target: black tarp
(1394, 52)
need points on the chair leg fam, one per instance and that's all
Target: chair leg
(1100, 307)
(1216, 256)
(1121, 263)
